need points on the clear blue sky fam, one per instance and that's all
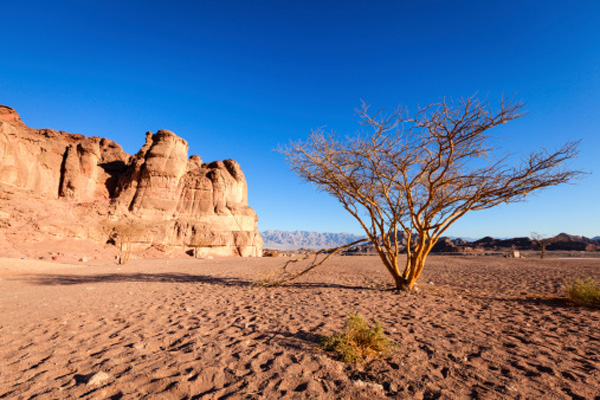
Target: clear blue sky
(235, 79)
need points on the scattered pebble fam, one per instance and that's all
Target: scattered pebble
(371, 385)
(139, 346)
(98, 378)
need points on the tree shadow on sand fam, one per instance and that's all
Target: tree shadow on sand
(64, 280)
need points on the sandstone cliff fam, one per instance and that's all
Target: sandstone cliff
(180, 202)
(57, 164)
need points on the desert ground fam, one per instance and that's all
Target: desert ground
(479, 328)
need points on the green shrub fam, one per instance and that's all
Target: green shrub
(584, 291)
(358, 342)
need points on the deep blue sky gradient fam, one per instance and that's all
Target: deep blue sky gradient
(235, 79)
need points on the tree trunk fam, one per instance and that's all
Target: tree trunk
(415, 261)
(127, 251)
(401, 283)
(121, 252)
(414, 266)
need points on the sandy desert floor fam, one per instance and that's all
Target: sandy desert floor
(480, 328)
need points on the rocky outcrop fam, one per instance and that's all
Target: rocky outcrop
(150, 187)
(191, 203)
(444, 245)
(179, 201)
(55, 163)
(564, 241)
(489, 243)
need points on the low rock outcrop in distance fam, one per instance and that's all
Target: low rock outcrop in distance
(79, 183)
(561, 242)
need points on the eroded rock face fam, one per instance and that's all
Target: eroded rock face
(180, 201)
(57, 164)
(150, 188)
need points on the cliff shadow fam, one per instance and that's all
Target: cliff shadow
(114, 169)
(58, 280)
(65, 280)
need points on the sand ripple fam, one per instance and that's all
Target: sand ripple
(484, 328)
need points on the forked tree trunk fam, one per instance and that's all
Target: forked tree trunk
(401, 283)
(414, 266)
(405, 282)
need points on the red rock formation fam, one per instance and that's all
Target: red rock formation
(57, 164)
(181, 201)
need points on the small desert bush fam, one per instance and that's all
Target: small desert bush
(358, 342)
(584, 291)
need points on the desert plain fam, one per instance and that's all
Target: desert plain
(479, 328)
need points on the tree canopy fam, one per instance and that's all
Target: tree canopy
(407, 179)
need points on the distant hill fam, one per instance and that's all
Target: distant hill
(562, 241)
(284, 240)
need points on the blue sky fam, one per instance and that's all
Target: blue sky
(235, 79)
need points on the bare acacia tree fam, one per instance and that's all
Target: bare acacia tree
(541, 241)
(123, 231)
(408, 178)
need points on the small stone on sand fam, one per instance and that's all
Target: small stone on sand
(98, 378)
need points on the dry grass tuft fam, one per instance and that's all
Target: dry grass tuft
(584, 291)
(359, 341)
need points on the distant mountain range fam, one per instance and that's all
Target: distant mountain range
(285, 240)
(562, 241)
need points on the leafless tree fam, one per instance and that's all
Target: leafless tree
(123, 232)
(541, 241)
(409, 178)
